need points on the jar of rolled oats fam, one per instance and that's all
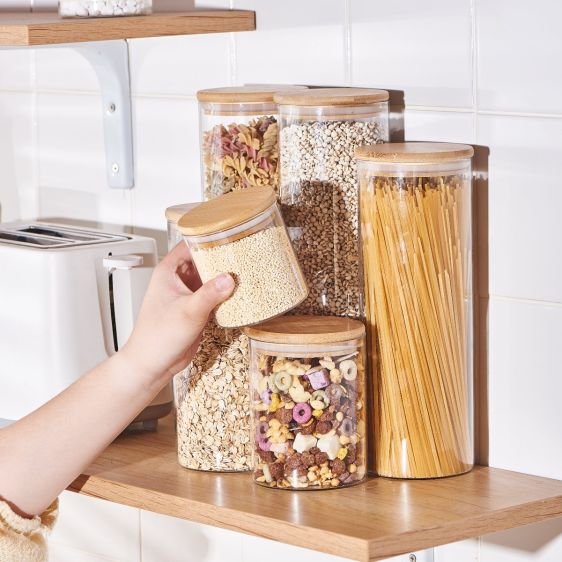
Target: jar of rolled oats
(243, 233)
(238, 130)
(307, 382)
(319, 132)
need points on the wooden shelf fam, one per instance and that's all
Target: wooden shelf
(23, 29)
(375, 520)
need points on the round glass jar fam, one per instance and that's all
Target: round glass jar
(307, 383)
(243, 233)
(103, 8)
(319, 132)
(239, 138)
(417, 255)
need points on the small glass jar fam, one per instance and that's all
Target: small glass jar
(239, 138)
(103, 8)
(173, 215)
(417, 257)
(243, 233)
(319, 132)
(307, 376)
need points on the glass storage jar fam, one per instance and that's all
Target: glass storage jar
(239, 140)
(415, 202)
(307, 387)
(103, 8)
(319, 132)
(243, 233)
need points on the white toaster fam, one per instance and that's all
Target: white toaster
(68, 299)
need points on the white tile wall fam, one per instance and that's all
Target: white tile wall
(473, 71)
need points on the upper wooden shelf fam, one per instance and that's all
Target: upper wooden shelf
(375, 520)
(23, 29)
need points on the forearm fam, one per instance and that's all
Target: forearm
(44, 452)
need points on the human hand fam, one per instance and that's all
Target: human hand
(175, 309)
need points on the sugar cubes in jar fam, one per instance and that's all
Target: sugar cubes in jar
(103, 8)
(243, 233)
(307, 384)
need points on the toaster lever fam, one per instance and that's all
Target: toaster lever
(111, 263)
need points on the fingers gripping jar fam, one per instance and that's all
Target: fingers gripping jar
(243, 233)
(416, 232)
(239, 132)
(319, 132)
(307, 376)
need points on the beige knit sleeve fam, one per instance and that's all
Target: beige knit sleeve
(24, 540)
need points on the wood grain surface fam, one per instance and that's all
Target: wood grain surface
(375, 520)
(22, 29)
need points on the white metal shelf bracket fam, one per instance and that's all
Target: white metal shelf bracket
(110, 60)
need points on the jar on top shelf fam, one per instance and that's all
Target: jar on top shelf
(416, 232)
(243, 233)
(103, 8)
(319, 132)
(239, 132)
(307, 378)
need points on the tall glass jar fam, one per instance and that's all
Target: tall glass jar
(417, 256)
(319, 132)
(308, 402)
(239, 132)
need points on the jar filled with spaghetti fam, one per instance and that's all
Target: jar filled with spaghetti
(319, 132)
(308, 402)
(415, 201)
(238, 129)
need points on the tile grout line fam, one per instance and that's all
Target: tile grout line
(524, 300)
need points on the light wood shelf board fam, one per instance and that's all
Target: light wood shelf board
(35, 29)
(372, 521)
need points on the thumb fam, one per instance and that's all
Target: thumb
(210, 295)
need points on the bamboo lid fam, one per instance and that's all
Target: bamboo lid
(306, 329)
(227, 211)
(239, 94)
(414, 152)
(331, 97)
(176, 212)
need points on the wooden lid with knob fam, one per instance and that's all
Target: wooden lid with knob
(331, 97)
(226, 211)
(262, 93)
(306, 330)
(414, 152)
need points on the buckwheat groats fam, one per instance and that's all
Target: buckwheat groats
(308, 402)
(239, 138)
(319, 132)
(243, 233)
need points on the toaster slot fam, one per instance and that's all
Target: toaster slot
(32, 240)
(70, 235)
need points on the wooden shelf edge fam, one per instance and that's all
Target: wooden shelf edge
(36, 29)
(378, 519)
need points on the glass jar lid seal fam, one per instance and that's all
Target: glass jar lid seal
(306, 329)
(414, 152)
(331, 97)
(176, 212)
(262, 93)
(227, 211)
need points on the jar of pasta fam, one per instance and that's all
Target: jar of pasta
(243, 233)
(238, 129)
(307, 377)
(319, 132)
(416, 232)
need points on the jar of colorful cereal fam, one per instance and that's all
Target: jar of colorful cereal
(307, 384)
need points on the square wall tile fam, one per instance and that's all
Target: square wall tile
(525, 199)
(422, 48)
(256, 549)
(462, 551)
(16, 69)
(540, 542)
(439, 126)
(58, 553)
(524, 387)
(18, 195)
(295, 42)
(167, 158)
(519, 51)
(169, 539)
(63, 68)
(98, 527)
(72, 168)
